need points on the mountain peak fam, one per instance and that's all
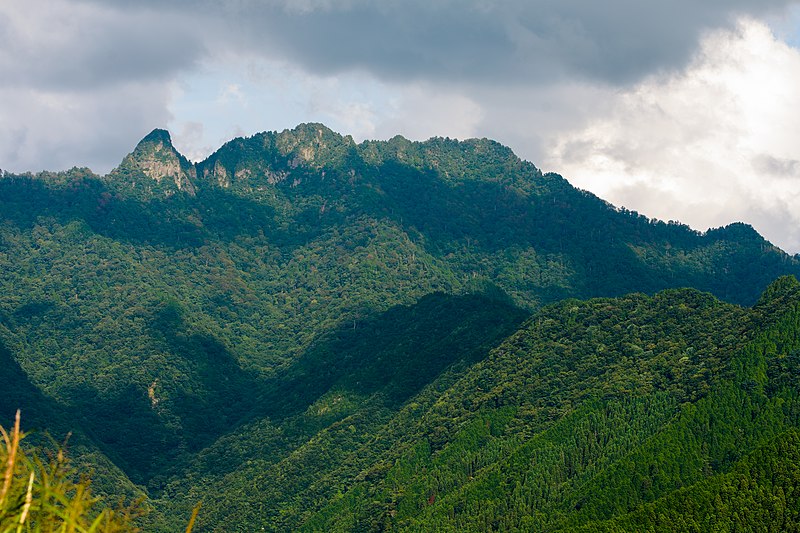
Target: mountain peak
(269, 157)
(314, 143)
(735, 231)
(157, 159)
(158, 135)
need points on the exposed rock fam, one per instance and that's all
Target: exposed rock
(221, 174)
(275, 177)
(157, 158)
(242, 174)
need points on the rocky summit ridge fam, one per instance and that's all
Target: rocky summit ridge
(238, 161)
(265, 159)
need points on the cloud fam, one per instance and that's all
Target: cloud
(60, 44)
(56, 130)
(232, 92)
(710, 144)
(420, 112)
(778, 167)
(189, 138)
(674, 109)
(81, 84)
(277, 95)
(476, 41)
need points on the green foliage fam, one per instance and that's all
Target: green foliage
(760, 493)
(302, 331)
(43, 495)
(688, 411)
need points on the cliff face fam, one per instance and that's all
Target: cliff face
(157, 159)
(266, 159)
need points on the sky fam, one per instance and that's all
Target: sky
(681, 110)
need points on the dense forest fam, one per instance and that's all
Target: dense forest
(302, 332)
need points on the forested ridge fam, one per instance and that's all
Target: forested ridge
(303, 332)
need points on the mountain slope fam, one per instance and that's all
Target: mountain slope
(528, 440)
(296, 282)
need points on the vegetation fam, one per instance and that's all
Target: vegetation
(303, 332)
(45, 496)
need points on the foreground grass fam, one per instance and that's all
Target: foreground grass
(43, 493)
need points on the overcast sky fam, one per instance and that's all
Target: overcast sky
(682, 110)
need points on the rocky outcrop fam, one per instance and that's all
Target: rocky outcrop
(156, 158)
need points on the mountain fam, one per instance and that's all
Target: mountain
(298, 313)
(155, 159)
(671, 412)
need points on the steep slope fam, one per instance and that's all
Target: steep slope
(155, 167)
(759, 493)
(660, 408)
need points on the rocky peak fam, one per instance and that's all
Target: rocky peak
(268, 158)
(314, 144)
(157, 159)
(157, 136)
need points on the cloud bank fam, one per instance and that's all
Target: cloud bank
(713, 143)
(477, 41)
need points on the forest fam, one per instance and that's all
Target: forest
(306, 333)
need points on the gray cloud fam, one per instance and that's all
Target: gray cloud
(81, 83)
(56, 131)
(531, 41)
(83, 80)
(779, 167)
(61, 45)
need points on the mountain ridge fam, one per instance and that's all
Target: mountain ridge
(302, 144)
(156, 158)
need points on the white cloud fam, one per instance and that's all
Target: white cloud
(263, 95)
(189, 138)
(419, 112)
(232, 92)
(717, 142)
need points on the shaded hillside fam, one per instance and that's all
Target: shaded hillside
(664, 413)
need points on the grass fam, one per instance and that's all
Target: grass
(44, 494)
